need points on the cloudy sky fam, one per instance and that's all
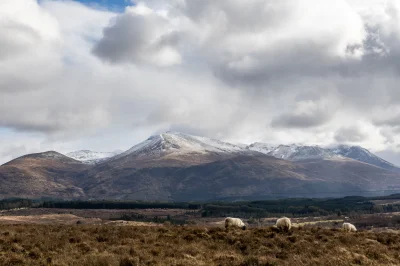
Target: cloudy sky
(104, 75)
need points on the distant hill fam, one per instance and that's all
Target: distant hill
(47, 174)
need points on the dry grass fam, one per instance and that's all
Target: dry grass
(174, 245)
(47, 219)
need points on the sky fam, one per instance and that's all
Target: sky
(105, 75)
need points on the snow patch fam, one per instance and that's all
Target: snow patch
(294, 152)
(91, 157)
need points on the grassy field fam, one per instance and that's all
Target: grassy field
(191, 245)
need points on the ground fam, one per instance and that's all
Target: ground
(98, 237)
(192, 245)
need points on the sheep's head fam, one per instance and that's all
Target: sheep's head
(244, 227)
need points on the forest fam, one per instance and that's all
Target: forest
(292, 207)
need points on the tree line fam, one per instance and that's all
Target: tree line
(294, 207)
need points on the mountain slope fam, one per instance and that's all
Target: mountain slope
(47, 174)
(237, 177)
(91, 157)
(363, 155)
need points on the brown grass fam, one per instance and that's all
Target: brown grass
(174, 245)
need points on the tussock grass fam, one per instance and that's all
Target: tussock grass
(90, 245)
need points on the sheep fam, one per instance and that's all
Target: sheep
(235, 222)
(283, 224)
(349, 227)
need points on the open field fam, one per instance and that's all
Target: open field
(40, 236)
(184, 216)
(192, 245)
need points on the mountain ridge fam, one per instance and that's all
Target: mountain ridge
(174, 166)
(297, 152)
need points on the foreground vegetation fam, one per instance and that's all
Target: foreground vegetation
(177, 245)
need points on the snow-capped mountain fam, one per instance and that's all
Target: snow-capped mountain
(294, 152)
(363, 155)
(91, 157)
(261, 147)
(179, 143)
(181, 167)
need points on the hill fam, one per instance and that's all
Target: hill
(47, 174)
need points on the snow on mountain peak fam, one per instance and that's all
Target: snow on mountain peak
(361, 154)
(303, 152)
(91, 157)
(176, 143)
(180, 143)
(293, 151)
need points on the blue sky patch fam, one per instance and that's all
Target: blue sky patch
(113, 5)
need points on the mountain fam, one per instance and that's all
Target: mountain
(177, 149)
(172, 166)
(47, 174)
(179, 167)
(363, 155)
(294, 152)
(175, 142)
(91, 157)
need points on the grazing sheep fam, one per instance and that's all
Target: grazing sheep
(283, 224)
(349, 227)
(235, 222)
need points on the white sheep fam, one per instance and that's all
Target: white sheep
(283, 224)
(349, 227)
(235, 222)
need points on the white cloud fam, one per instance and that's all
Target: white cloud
(243, 71)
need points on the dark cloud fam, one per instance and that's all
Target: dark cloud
(350, 134)
(393, 121)
(300, 120)
(139, 38)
